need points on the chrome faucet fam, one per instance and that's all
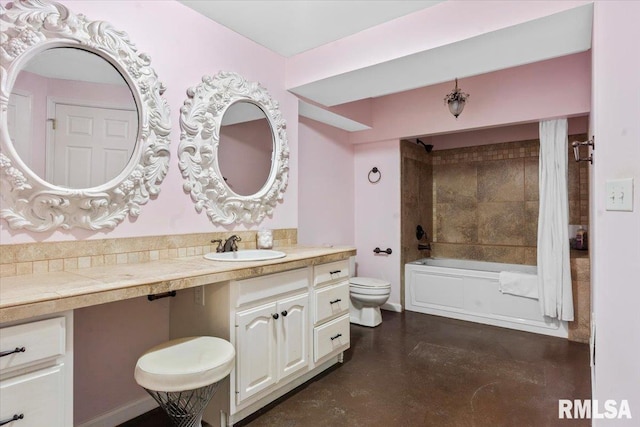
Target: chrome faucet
(230, 244)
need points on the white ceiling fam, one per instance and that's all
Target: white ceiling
(291, 27)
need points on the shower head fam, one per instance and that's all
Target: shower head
(427, 147)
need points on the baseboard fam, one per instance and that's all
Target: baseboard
(392, 306)
(123, 413)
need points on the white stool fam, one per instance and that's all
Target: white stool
(182, 375)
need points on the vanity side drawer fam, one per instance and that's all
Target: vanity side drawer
(269, 286)
(331, 338)
(42, 340)
(38, 396)
(331, 301)
(331, 272)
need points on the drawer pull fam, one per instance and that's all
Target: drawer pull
(8, 352)
(335, 301)
(275, 316)
(12, 419)
(336, 336)
(335, 272)
(284, 313)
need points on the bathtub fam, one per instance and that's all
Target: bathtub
(468, 290)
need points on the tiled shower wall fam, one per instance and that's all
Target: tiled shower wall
(485, 201)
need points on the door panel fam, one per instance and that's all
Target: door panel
(256, 352)
(293, 340)
(105, 136)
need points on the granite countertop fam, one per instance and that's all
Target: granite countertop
(31, 295)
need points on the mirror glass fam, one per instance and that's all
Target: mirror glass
(245, 152)
(72, 118)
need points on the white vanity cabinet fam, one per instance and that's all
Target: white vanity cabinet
(36, 372)
(286, 328)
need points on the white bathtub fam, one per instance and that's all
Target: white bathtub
(468, 290)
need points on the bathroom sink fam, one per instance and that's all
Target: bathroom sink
(245, 255)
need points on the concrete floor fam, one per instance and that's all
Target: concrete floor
(421, 370)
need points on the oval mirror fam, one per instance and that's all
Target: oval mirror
(233, 151)
(72, 118)
(62, 177)
(245, 149)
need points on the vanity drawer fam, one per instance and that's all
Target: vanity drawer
(331, 272)
(38, 396)
(41, 340)
(331, 301)
(332, 337)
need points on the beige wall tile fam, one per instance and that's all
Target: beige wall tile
(110, 259)
(84, 262)
(7, 270)
(501, 181)
(531, 179)
(456, 225)
(501, 223)
(24, 268)
(456, 184)
(97, 260)
(40, 267)
(122, 258)
(56, 265)
(70, 264)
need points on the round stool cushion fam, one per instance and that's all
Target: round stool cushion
(185, 364)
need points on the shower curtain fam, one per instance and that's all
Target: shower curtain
(554, 271)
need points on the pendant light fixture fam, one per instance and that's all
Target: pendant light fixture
(456, 100)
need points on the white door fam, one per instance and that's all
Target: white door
(293, 340)
(19, 125)
(256, 367)
(91, 145)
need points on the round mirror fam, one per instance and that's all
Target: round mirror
(72, 118)
(233, 151)
(246, 148)
(84, 129)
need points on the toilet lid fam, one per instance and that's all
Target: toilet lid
(368, 282)
(185, 364)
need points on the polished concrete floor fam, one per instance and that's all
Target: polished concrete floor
(421, 370)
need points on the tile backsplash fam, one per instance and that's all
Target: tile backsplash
(30, 258)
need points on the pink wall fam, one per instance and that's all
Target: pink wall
(496, 135)
(326, 209)
(377, 213)
(172, 35)
(555, 88)
(615, 253)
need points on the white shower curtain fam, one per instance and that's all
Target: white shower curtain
(554, 271)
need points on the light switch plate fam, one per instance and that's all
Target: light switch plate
(619, 193)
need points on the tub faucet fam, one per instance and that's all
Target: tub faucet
(423, 247)
(230, 244)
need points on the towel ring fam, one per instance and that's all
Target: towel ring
(374, 171)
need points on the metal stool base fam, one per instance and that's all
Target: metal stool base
(185, 408)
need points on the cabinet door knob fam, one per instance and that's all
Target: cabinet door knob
(284, 313)
(275, 316)
(8, 352)
(335, 301)
(16, 417)
(336, 337)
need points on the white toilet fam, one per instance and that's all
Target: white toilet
(367, 295)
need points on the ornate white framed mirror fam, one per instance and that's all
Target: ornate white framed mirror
(233, 151)
(84, 137)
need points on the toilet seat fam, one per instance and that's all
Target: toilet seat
(368, 282)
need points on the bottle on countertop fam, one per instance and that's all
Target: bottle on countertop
(581, 239)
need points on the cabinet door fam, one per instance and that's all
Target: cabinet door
(256, 367)
(293, 339)
(37, 396)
